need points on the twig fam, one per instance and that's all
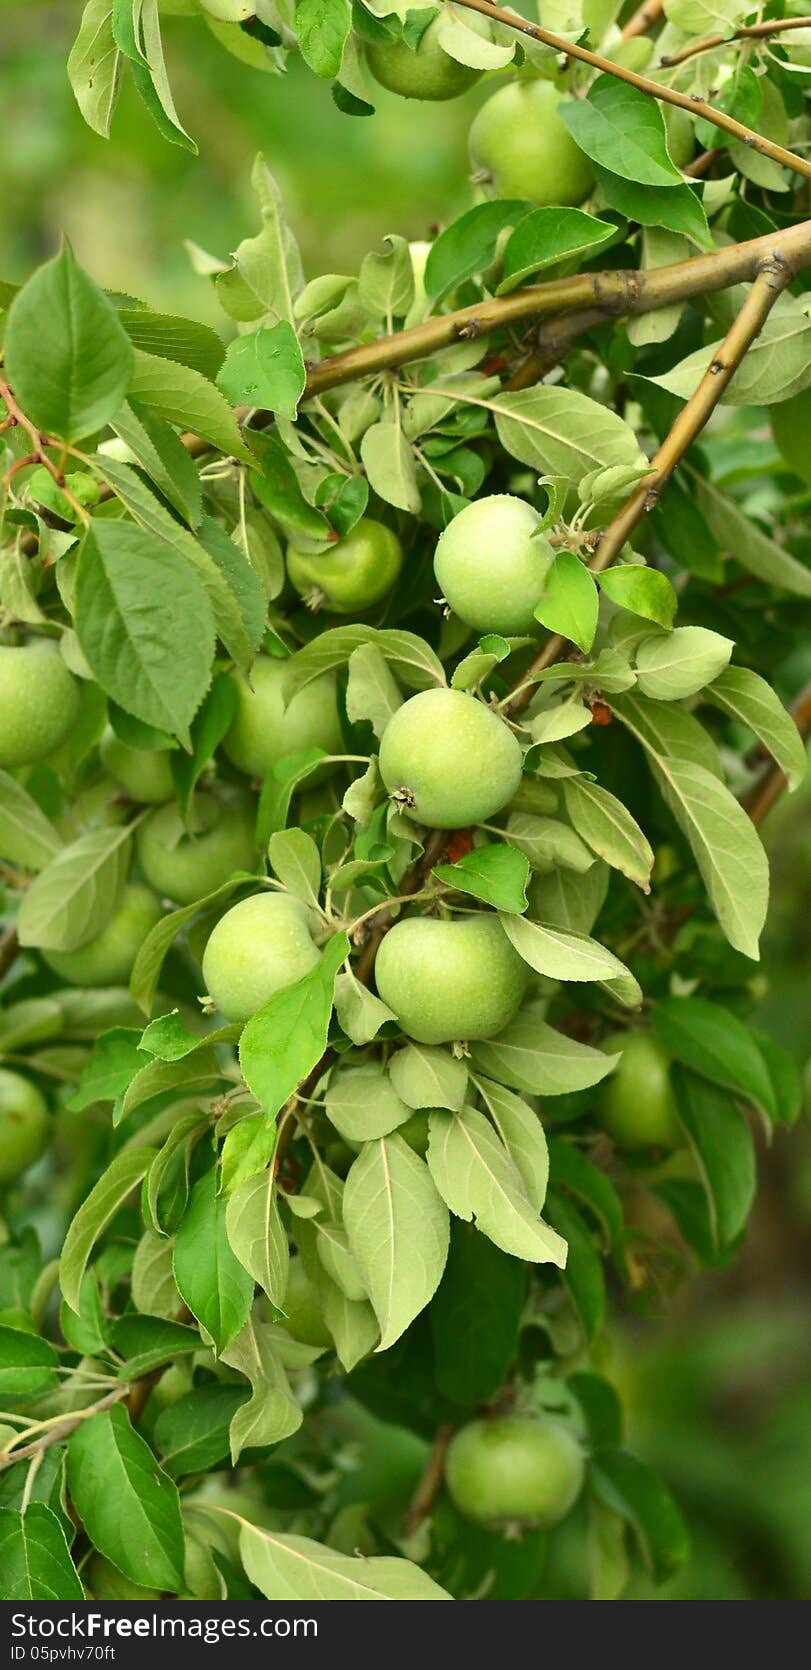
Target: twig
(760, 799)
(430, 1483)
(643, 19)
(655, 89)
(750, 32)
(769, 284)
(62, 1429)
(9, 946)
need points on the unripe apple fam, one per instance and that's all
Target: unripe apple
(450, 980)
(258, 946)
(519, 143)
(39, 702)
(352, 575)
(425, 71)
(491, 564)
(106, 1582)
(24, 1125)
(185, 867)
(449, 760)
(264, 730)
(636, 1104)
(229, 11)
(302, 1312)
(144, 772)
(514, 1470)
(107, 960)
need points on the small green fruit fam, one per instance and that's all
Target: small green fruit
(491, 564)
(449, 760)
(514, 1470)
(24, 1125)
(257, 948)
(108, 959)
(636, 1105)
(39, 702)
(264, 730)
(302, 1312)
(352, 575)
(426, 71)
(144, 773)
(523, 148)
(450, 980)
(185, 867)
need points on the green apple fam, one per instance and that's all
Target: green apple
(24, 1124)
(520, 147)
(264, 730)
(514, 1470)
(636, 1104)
(229, 11)
(107, 960)
(145, 773)
(426, 71)
(39, 702)
(449, 760)
(450, 980)
(491, 563)
(353, 574)
(258, 947)
(186, 866)
(302, 1311)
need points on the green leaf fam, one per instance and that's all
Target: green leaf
(530, 1055)
(210, 1278)
(428, 1077)
(682, 663)
(170, 337)
(322, 27)
(559, 955)
(496, 874)
(468, 246)
(149, 75)
(295, 1568)
(712, 1042)
(257, 1235)
(747, 698)
(522, 1134)
(27, 837)
(266, 276)
(372, 691)
(149, 961)
(413, 661)
(27, 1364)
(114, 1060)
(211, 723)
(34, 1557)
(184, 397)
(295, 859)
(676, 208)
(114, 1187)
(278, 490)
(475, 1317)
(360, 1014)
(546, 236)
(627, 1487)
(265, 368)
(672, 732)
(548, 843)
(362, 1103)
(741, 539)
(477, 1179)
(162, 454)
(127, 1504)
(287, 1036)
(398, 1231)
(386, 280)
(272, 1413)
(561, 432)
(570, 602)
(623, 129)
(570, 1170)
(191, 1435)
(145, 1342)
(66, 354)
(94, 67)
(70, 901)
(721, 1140)
(643, 591)
(388, 460)
(779, 361)
(278, 789)
(724, 843)
(583, 1272)
(609, 829)
(145, 625)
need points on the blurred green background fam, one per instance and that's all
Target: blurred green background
(718, 1378)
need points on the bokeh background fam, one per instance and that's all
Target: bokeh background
(717, 1372)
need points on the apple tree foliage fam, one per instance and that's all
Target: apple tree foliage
(270, 1264)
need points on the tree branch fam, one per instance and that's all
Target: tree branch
(643, 19)
(430, 1482)
(752, 32)
(769, 284)
(686, 101)
(61, 1429)
(760, 799)
(9, 946)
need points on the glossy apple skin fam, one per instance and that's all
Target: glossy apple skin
(491, 565)
(428, 72)
(351, 576)
(514, 1470)
(25, 1124)
(637, 1106)
(450, 759)
(186, 867)
(521, 144)
(144, 773)
(107, 960)
(258, 947)
(39, 702)
(450, 980)
(264, 730)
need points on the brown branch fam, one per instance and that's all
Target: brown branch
(643, 19)
(9, 946)
(655, 90)
(751, 32)
(769, 284)
(430, 1482)
(760, 799)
